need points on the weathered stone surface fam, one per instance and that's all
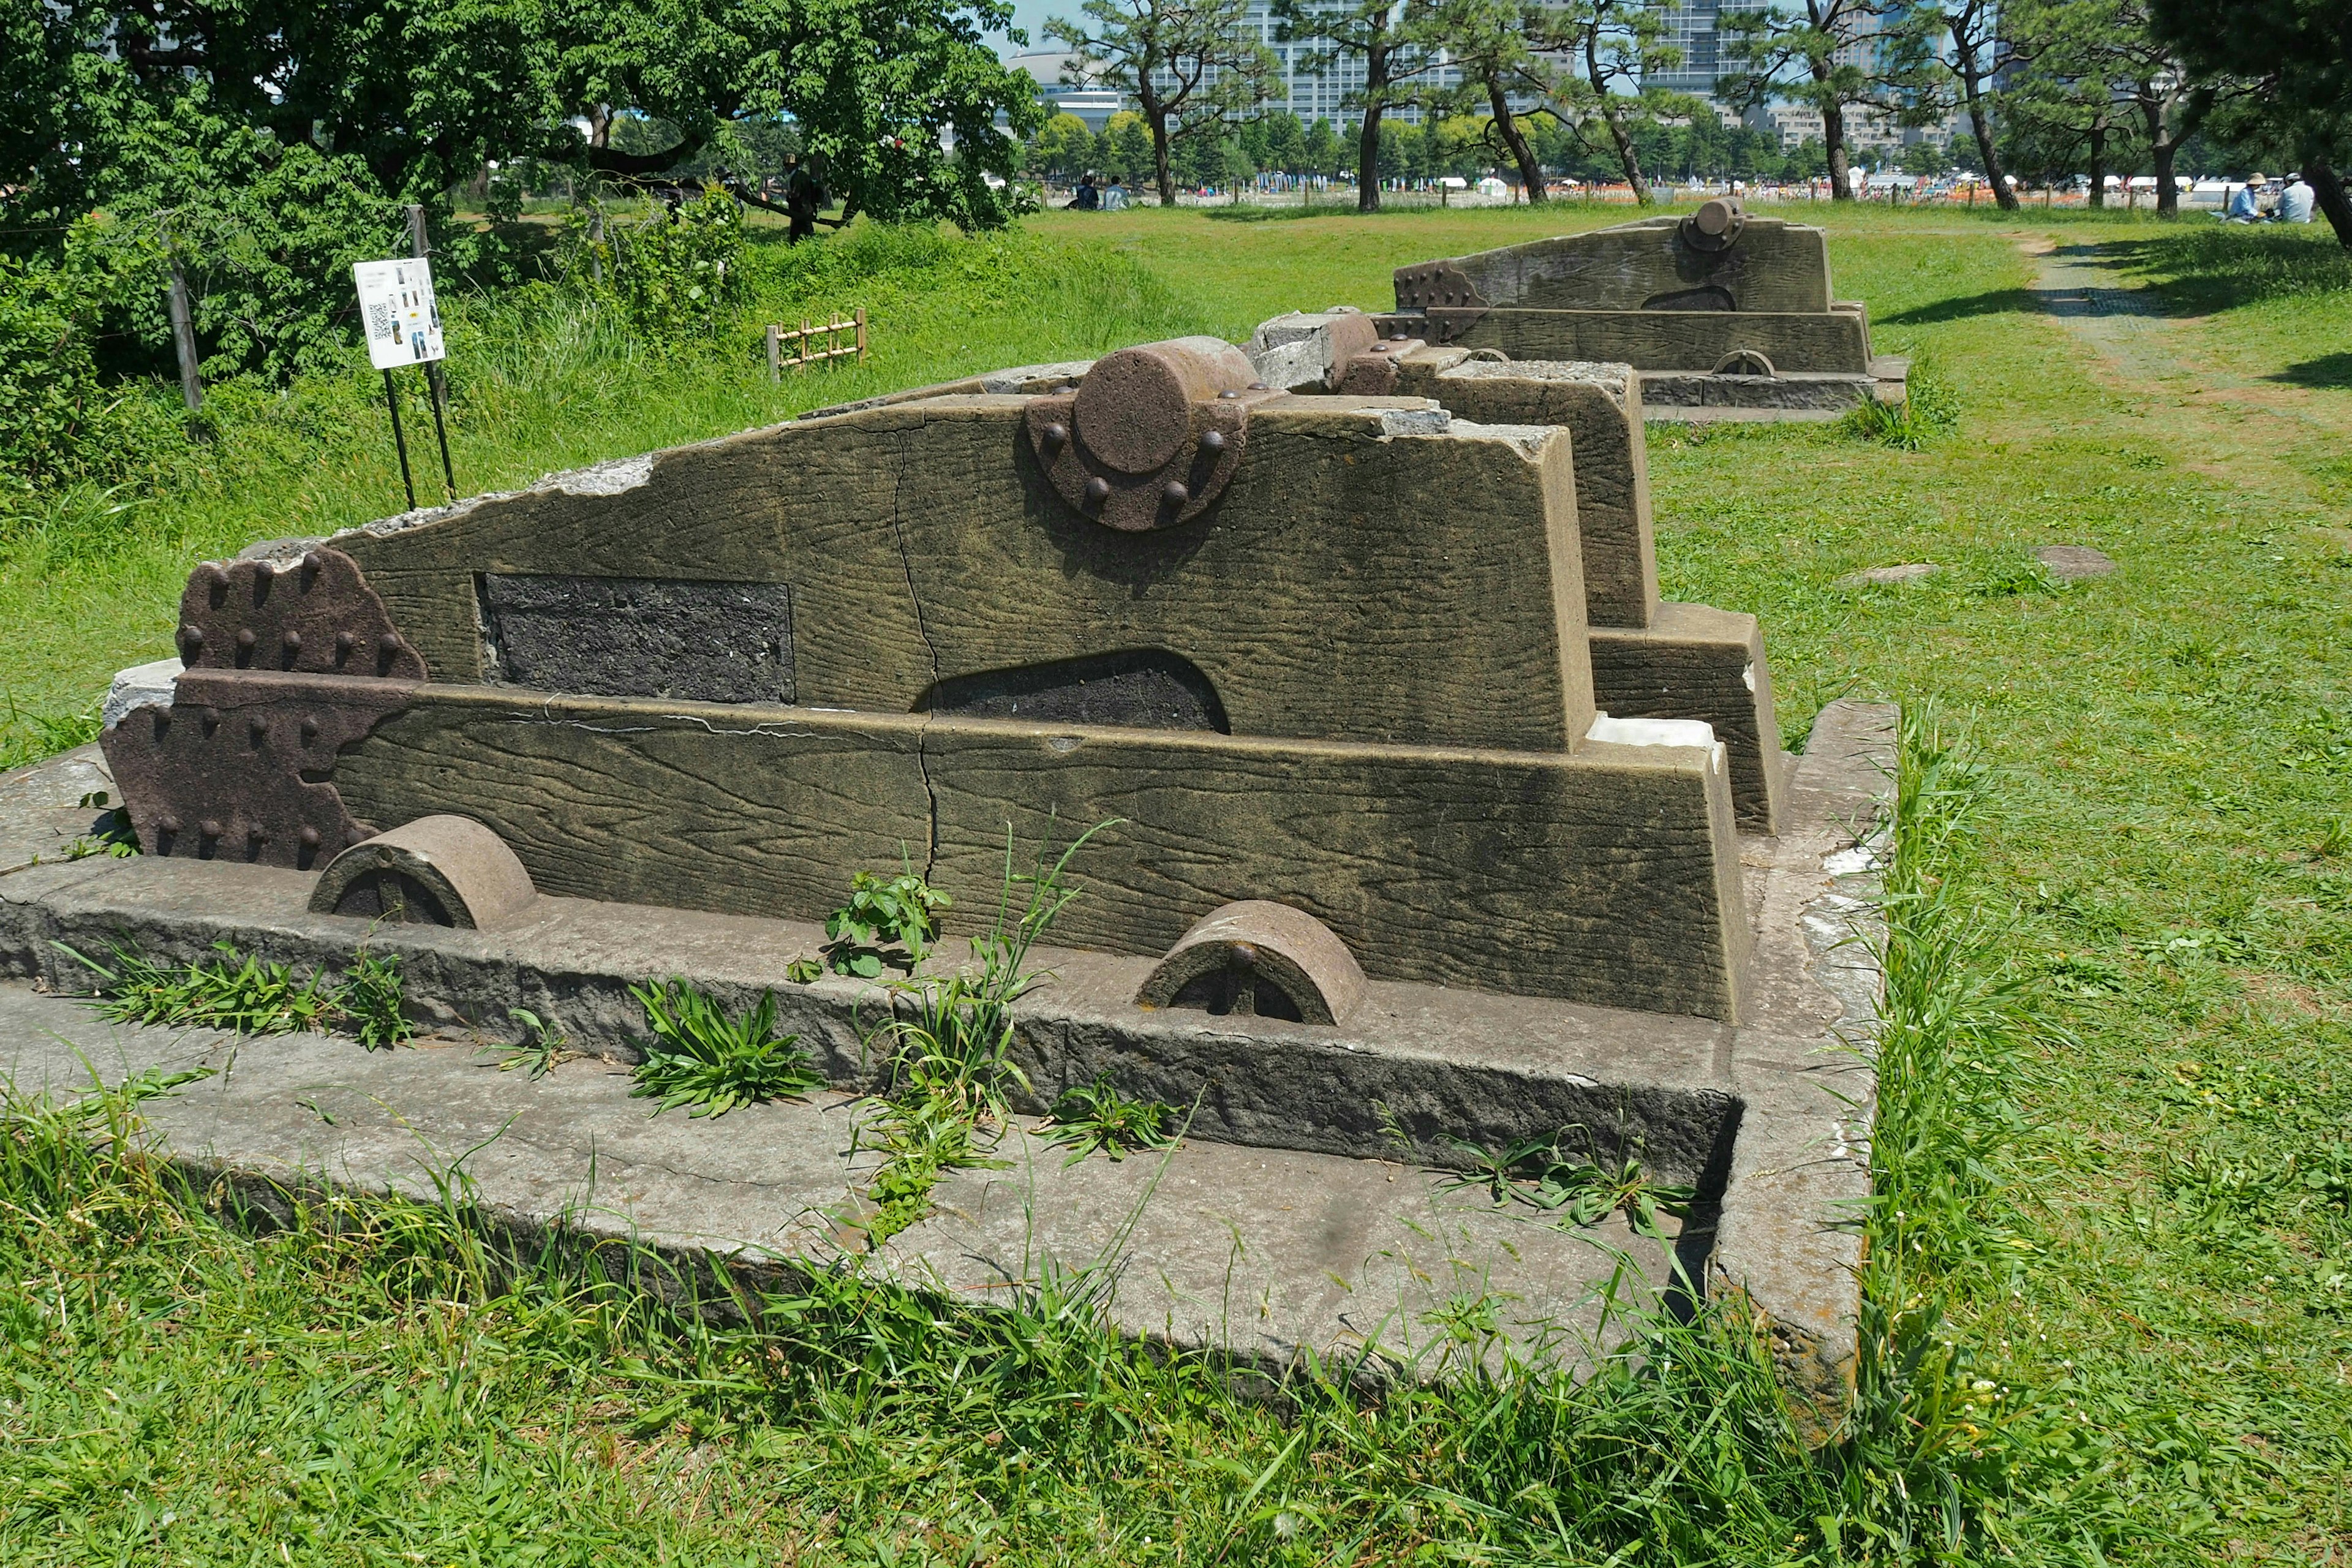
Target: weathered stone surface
(1789, 394)
(1694, 662)
(1776, 265)
(1353, 583)
(1889, 576)
(2074, 563)
(1600, 407)
(747, 810)
(1687, 340)
(1607, 876)
(1259, 958)
(1304, 352)
(634, 637)
(1226, 1247)
(1263, 1256)
(42, 817)
(436, 870)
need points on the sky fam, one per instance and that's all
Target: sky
(1030, 16)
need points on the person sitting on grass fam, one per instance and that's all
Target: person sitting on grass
(1089, 198)
(2246, 206)
(2295, 202)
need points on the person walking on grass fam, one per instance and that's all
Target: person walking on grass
(802, 198)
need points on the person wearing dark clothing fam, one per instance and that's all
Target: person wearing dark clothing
(1089, 198)
(802, 198)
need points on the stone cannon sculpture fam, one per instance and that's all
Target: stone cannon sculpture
(1376, 661)
(1436, 829)
(1724, 313)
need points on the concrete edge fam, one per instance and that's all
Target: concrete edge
(1790, 1241)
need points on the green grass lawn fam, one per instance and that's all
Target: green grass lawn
(2128, 1201)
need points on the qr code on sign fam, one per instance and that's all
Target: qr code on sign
(380, 319)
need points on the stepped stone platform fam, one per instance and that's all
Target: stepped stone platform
(1723, 314)
(1304, 1215)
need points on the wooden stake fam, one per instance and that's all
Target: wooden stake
(775, 352)
(860, 314)
(184, 341)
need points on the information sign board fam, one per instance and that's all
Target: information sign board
(397, 312)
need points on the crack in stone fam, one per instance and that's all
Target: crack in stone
(922, 736)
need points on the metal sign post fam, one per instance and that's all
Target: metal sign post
(402, 322)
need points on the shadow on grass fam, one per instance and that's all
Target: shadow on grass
(2190, 271)
(2327, 370)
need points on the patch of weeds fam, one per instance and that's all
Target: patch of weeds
(372, 1003)
(538, 1054)
(110, 834)
(30, 737)
(247, 995)
(1540, 1174)
(2015, 579)
(1928, 409)
(803, 971)
(901, 913)
(950, 1052)
(697, 1056)
(235, 992)
(1096, 1116)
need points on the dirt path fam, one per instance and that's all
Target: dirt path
(2238, 422)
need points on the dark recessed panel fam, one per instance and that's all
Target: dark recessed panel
(636, 636)
(1143, 689)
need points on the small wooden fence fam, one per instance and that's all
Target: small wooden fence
(805, 336)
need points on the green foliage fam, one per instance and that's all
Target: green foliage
(240, 994)
(59, 420)
(30, 737)
(544, 1046)
(697, 1056)
(245, 994)
(1539, 1173)
(1930, 1443)
(1063, 150)
(902, 913)
(1089, 1117)
(1928, 410)
(112, 834)
(680, 273)
(950, 1052)
(2015, 579)
(369, 1002)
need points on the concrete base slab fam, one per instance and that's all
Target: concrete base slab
(1298, 1217)
(1266, 1256)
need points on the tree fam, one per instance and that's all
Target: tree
(1936, 77)
(2295, 56)
(1285, 143)
(269, 143)
(1063, 150)
(1490, 43)
(1809, 52)
(1125, 146)
(1392, 37)
(2068, 93)
(1190, 65)
(1323, 153)
(1591, 58)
